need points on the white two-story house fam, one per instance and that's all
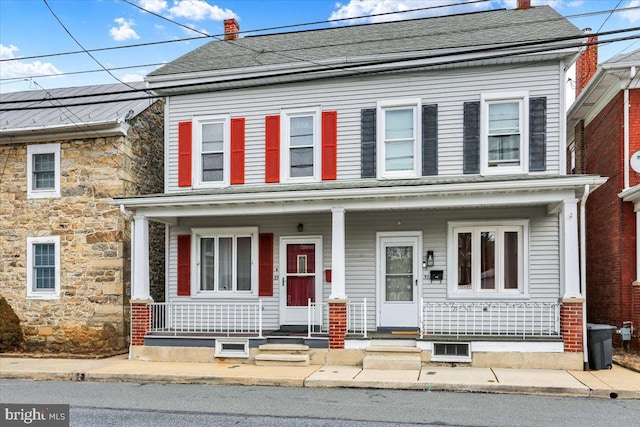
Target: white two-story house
(402, 181)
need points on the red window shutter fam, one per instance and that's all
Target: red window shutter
(272, 149)
(237, 151)
(184, 154)
(184, 265)
(329, 144)
(265, 265)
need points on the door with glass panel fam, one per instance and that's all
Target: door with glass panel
(398, 280)
(301, 278)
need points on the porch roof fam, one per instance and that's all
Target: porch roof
(364, 195)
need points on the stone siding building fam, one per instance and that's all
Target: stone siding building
(64, 250)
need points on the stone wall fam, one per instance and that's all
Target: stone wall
(91, 315)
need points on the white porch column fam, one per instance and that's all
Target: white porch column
(140, 259)
(338, 289)
(569, 250)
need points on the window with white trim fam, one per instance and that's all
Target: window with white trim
(43, 267)
(211, 160)
(488, 258)
(226, 260)
(504, 133)
(301, 145)
(398, 142)
(43, 171)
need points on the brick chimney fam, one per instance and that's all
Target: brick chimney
(524, 4)
(231, 29)
(587, 63)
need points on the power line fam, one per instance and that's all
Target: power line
(398, 68)
(205, 35)
(16, 79)
(80, 44)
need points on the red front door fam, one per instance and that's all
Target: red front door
(301, 268)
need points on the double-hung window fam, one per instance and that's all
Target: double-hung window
(211, 158)
(226, 260)
(398, 139)
(43, 267)
(503, 134)
(43, 171)
(488, 258)
(301, 151)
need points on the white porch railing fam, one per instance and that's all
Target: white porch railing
(318, 318)
(223, 318)
(522, 319)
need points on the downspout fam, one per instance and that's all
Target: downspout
(129, 218)
(583, 273)
(627, 154)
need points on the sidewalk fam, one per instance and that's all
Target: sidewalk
(617, 382)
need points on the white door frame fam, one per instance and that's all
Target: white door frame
(381, 237)
(299, 315)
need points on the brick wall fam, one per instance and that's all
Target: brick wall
(611, 230)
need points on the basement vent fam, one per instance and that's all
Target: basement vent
(451, 352)
(232, 348)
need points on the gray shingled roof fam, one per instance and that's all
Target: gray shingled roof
(631, 58)
(432, 35)
(109, 107)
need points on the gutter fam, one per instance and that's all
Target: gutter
(583, 272)
(65, 131)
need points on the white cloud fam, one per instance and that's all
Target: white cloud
(124, 31)
(133, 77)
(632, 15)
(199, 10)
(11, 69)
(575, 3)
(372, 7)
(155, 6)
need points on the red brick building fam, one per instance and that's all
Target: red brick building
(604, 137)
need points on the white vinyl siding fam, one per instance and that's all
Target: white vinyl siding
(449, 89)
(543, 258)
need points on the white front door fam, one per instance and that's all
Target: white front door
(301, 278)
(398, 277)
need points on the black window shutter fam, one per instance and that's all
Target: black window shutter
(368, 143)
(430, 139)
(537, 134)
(471, 137)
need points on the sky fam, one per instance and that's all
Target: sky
(36, 36)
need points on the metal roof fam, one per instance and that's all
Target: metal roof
(108, 107)
(349, 44)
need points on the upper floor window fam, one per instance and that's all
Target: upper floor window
(43, 171)
(398, 139)
(43, 267)
(301, 150)
(227, 260)
(503, 134)
(488, 257)
(211, 158)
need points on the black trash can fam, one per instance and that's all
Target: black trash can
(600, 346)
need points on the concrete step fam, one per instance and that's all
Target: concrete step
(392, 362)
(385, 349)
(283, 347)
(280, 359)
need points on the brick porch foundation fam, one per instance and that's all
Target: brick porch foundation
(140, 321)
(571, 326)
(337, 323)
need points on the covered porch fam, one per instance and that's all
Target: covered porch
(351, 227)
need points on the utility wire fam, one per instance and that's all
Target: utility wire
(22, 58)
(82, 47)
(400, 67)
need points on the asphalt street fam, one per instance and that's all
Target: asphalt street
(334, 405)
